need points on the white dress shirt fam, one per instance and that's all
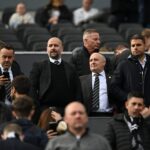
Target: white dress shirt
(80, 15)
(17, 19)
(103, 94)
(53, 60)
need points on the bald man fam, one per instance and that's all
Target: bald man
(77, 137)
(54, 81)
(97, 63)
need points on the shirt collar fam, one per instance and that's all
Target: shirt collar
(101, 73)
(53, 60)
(2, 69)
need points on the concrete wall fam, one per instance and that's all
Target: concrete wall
(26, 59)
(34, 4)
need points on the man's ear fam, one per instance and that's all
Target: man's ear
(31, 114)
(14, 114)
(126, 104)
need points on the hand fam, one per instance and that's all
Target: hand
(56, 116)
(3, 80)
(53, 20)
(51, 134)
(145, 112)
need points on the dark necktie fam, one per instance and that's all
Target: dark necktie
(56, 62)
(8, 88)
(95, 99)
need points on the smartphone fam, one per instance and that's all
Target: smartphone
(53, 126)
(6, 75)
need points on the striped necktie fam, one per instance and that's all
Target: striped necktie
(8, 88)
(95, 98)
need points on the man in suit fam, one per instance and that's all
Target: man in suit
(9, 66)
(54, 81)
(132, 74)
(97, 63)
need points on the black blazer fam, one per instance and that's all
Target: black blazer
(15, 71)
(86, 85)
(40, 76)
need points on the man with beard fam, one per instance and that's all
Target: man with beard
(132, 74)
(54, 81)
(78, 136)
(8, 70)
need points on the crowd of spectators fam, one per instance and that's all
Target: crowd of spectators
(50, 108)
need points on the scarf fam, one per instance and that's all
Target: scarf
(134, 124)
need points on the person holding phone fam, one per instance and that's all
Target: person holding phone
(51, 121)
(8, 70)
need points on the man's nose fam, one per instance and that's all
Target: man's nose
(6, 59)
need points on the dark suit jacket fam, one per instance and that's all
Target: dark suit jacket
(16, 144)
(86, 85)
(15, 71)
(40, 76)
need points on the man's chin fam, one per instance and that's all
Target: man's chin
(54, 56)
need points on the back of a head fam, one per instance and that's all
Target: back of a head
(12, 130)
(22, 106)
(45, 118)
(146, 33)
(21, 84)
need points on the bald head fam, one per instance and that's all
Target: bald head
(76, 117)
(74, 105)
(97, 62)
(56, 40)
(54, 47)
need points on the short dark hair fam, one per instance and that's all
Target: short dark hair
(135, 94)
(6, 45)
(21, 84)
(2, 44)
(137, 37)
(22, 106)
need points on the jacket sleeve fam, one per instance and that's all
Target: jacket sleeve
(110, 135)
(117, 82)
(35, 79)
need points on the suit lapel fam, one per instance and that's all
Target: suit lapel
(88, 86)
(47, 80)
